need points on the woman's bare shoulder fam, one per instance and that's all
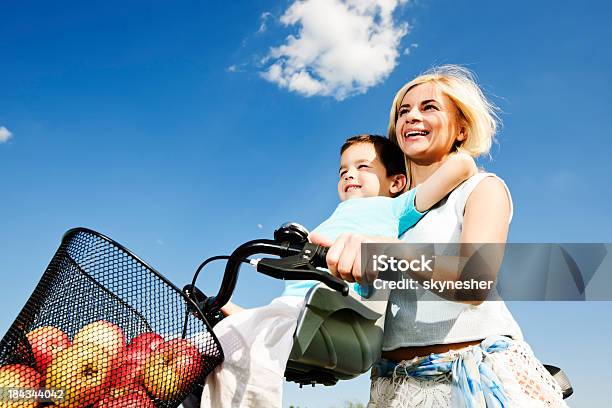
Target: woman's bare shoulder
(490, 191)
(488, 212)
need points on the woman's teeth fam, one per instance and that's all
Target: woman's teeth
(416, 133)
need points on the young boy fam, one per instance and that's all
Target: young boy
(372, 168)
(257, 342)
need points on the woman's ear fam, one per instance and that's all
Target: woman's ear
(398, 184)
(462, 134)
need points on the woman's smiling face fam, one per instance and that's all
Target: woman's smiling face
(426, 126)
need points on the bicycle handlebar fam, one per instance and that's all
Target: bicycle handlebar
(297, 261)
(303, 266)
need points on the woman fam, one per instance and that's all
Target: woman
(446, 353)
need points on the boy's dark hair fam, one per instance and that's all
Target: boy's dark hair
(390, 155)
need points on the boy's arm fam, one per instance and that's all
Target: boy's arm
(455, 170)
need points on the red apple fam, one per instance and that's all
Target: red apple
(14, 376)
(104, 334)
(171, 369)
(126, 397)
(46, 342)
(142, 345)
(126, 401)
(82, 371)
(139, 349)
(127, 374)
(121, 391)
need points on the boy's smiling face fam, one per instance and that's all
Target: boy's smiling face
(362, 174)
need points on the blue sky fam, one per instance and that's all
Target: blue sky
(154, 123)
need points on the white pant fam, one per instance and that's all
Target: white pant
(256, 343)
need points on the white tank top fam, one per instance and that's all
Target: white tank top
(422, 318)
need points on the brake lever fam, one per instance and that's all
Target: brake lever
(303, 266)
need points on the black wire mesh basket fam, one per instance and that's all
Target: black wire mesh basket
(104, 329)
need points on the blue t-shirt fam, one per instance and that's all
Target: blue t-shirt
(376, 216)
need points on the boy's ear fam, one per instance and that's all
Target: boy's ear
(398, 184)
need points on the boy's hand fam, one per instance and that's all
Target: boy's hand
(465, 162)
(231, 308)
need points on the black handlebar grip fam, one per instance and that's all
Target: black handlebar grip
(320, 253)
(318, 260)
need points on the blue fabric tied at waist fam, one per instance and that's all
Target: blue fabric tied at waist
(474, 384)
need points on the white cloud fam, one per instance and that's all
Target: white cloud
(236, 68)
(343, 47)
(408, 50)
(5, 134)
(264, 17)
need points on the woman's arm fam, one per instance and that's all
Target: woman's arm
(486, 221)
(487, 213)
(455, 170)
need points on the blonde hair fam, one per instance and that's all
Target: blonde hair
(474, 111)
